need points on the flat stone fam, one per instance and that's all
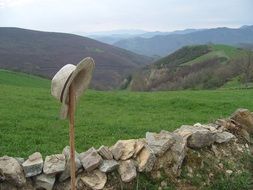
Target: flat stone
(146, 159)
(210, 127)
(178, 152)
(45, 181)
(123, 149)
(54, 164)
(90, 159)
(223, 137)
(33, 165)
(187, 130)
(66, 173)
(105, 152)
(140, 143)
(245, 118)
(159, 143)
(108, 166)
(127, 170)
(201, 139)
(95, 180)
(11, 171)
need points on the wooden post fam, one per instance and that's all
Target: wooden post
(72, 102)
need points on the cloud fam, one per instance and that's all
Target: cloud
(97, 15)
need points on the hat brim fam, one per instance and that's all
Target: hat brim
(80, 78)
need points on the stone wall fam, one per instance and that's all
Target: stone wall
(160, 159)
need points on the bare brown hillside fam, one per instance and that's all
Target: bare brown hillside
(43, 53)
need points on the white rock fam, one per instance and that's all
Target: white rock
(123, 149)
(12, 171)
(33, 165)
(54, 164)
(96, 180)
(127, 171)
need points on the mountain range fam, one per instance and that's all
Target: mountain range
(111, 37)
(44, 53)
(162, 45)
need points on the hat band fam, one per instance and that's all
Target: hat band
(65, 85)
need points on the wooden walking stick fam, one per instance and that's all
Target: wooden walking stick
(72, 102)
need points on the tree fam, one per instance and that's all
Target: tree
(245, 66)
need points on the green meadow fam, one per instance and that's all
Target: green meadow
(29, 114)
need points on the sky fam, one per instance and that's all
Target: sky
(86, 16)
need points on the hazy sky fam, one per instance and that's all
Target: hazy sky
(103, 15)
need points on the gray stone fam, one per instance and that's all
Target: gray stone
(159, 143)
(127, 171)
(95, 180)
(146, 159)
(11, 171)
(33, 165)
(201, 139)
(20, 160)
(54, 164)
(66, 173)
(108, 166)
(105, 152)
(45, 181)
(117, 150)
(90, 159)
(223, 137)
(178, 152)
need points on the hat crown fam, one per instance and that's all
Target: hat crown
(60, 79)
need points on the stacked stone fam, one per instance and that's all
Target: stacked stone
(164, 150)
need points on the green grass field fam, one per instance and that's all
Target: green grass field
(218, 51)
(29, 114)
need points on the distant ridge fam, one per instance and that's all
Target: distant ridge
(43, 53)
(162, 45)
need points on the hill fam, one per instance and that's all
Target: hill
(196, 67)
(44, 53)
(29, 114)
(162, 45)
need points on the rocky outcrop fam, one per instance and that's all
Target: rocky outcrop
(167, 157)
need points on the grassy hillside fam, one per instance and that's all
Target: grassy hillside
(22, 80)
(29, 114)
(196, 67)
(44, 53)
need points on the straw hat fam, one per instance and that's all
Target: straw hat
(79, 76)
